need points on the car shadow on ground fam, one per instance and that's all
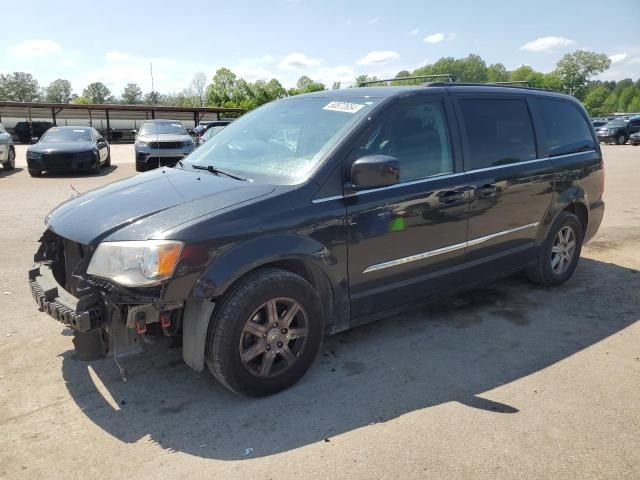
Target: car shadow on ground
(81, 173)
(8, 173)
(451, 351)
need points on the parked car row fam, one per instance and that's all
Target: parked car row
(618, 130)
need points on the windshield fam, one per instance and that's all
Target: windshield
(616, 123)
(282, 142)
(59, 135)
(153, 128)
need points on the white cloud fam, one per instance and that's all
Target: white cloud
(547, 44)
(415, 31)
(434, 38)
(618, 57)
(296, 61)
(452, 36)
(116, 56)
(378, 57)
(373, 20)
(35, 48)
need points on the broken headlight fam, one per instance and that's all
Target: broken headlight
(136, 263)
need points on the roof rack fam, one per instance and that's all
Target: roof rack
(513, 83)
(450, 79)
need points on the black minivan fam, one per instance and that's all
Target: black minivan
(320, 212)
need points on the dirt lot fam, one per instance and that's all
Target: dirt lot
(509, 381)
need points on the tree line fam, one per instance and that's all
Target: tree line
(574, 74)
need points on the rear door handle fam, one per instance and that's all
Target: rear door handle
(488, 190)
(451, 196)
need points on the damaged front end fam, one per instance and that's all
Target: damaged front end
(105, 317)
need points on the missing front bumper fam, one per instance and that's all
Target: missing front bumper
(82, 314)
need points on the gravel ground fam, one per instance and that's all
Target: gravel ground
(507, 381)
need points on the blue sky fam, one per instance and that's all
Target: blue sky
(329, 40)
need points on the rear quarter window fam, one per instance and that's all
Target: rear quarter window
(497, 132)
(566, 130)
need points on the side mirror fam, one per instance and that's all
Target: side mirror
(375, 171)
(34, 139)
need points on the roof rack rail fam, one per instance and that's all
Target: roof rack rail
(512, 83)
(450, 79)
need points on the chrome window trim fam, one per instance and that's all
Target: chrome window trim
(450, 248)
(451, 175)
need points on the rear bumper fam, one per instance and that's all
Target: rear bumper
(81, 314)
(596, 212)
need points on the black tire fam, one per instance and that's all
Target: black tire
(107, 162)
(10, 164)
(621, 139)
(35, 173)
(96, 167)
(542, 271)
(141, 167)
(238, 307)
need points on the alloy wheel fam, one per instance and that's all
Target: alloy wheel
(563, 250)
(273, 337)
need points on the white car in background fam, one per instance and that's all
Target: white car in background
(7, 151)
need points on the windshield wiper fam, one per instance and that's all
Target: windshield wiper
(217, 171)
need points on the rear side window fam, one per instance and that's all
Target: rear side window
(498, 132)
(566, 130)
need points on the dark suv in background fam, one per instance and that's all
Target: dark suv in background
(618, 130)
(316, 213)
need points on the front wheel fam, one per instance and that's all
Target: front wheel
(35, 173)
(10, 164)
(107, 162)
(265, 333)
(559, 253)
(621, 140)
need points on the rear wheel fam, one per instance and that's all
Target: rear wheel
(265, 333)
(10, 164)
(621, 139)
(559, 253)
(141, 167)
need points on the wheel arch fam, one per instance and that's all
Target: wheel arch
(298, 254)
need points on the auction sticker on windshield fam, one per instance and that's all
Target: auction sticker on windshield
(343, 107)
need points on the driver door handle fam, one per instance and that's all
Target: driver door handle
(488, 190)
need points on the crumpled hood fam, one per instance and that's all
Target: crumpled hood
(147, 204)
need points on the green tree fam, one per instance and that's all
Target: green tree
(19, 87)
(132, 94)
(496, 72)
(610, 104)
(152, 98)
(97, 92)
(551, 81)
(198, 88)
(220, 90)
(634, 105)
(595, 100)
(625, 97)
(527, 74)
(576, 69)
(275, 90)
(59, 91)
(360, 79)
(81, 100)
(306, 85)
